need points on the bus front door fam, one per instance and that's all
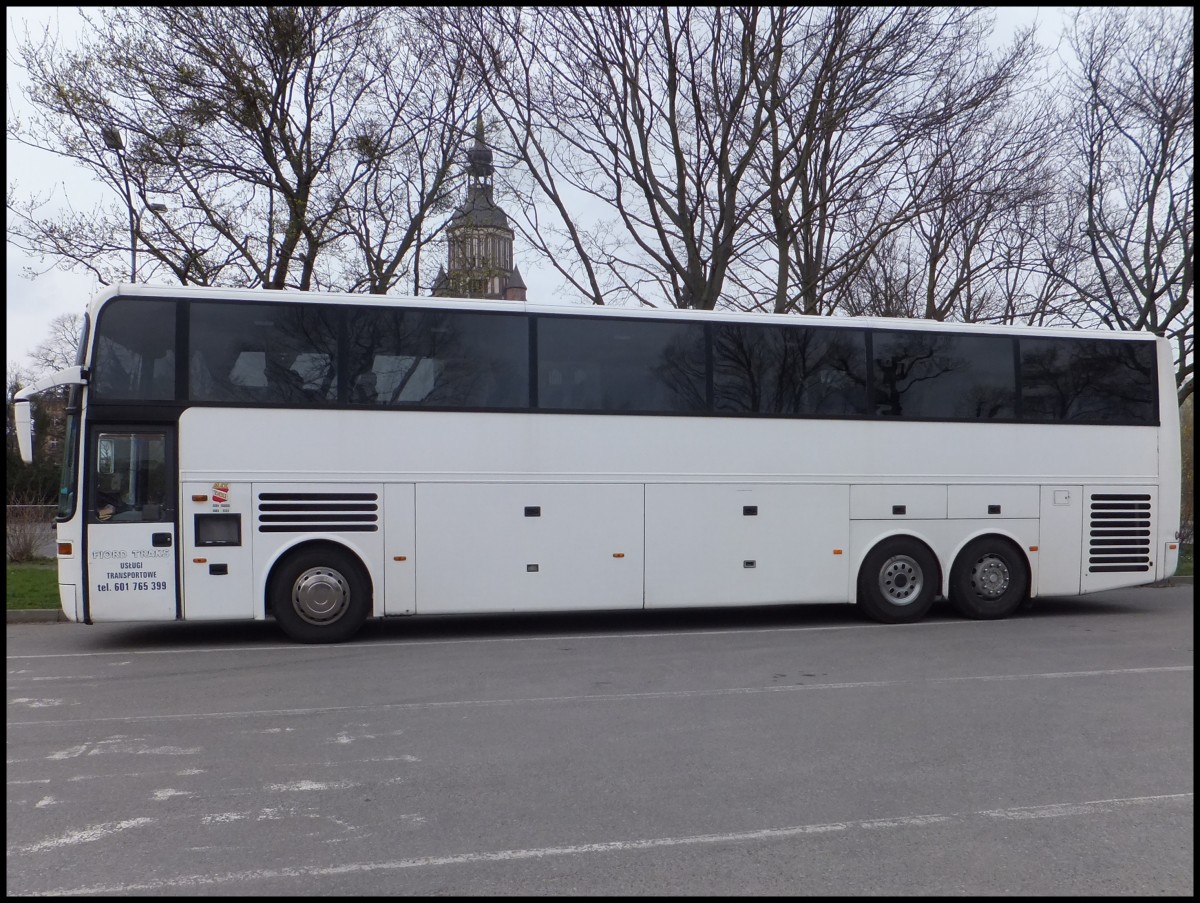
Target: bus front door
(131, 517)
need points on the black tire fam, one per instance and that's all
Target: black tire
(989, 579)
(320, 595)
(898, 581)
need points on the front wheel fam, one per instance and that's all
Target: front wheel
(898, 581)
(320, 595)
(988, 580)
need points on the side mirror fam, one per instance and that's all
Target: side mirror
(22, 417)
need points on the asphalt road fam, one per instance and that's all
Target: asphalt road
(773, 751)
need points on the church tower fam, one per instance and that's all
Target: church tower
(480, 238)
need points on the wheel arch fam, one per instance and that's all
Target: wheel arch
(1002, 535)
(307, 545)
(887, 536)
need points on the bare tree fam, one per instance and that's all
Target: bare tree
(655, 113)
(514, 50)
(1133, 173)
(874, 103)
(983, 181)
(411, 149)
(272, 146)
(60, 348)
(745, 156)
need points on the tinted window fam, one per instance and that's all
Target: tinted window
(788, 370)
(131, 477)
(593, 364)
(1088, 380)
(264, 353)
(455, 359)
(135, 351)
(950, 377)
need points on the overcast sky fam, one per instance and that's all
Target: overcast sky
(31, 304)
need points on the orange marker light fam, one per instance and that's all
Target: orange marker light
(1172, 545)
(837, 551)
(64, 548)
(199, 498)
(618, 554)
(1033, 548)
(400, 558)
(199, 561)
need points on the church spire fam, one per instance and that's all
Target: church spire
(479, 163)
(479, 235)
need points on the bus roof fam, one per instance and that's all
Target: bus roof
(181, 293)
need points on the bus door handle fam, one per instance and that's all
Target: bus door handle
(160, 539)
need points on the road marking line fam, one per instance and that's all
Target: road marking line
(358, 648)
(87, 835)
(595, 697)
(1053, 810)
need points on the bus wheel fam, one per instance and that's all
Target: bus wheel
(988, 579)
(320, 595)
(898, 581)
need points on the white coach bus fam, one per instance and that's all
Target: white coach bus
(323, 459)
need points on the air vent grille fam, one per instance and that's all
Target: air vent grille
(318, 512)
(1121, 530)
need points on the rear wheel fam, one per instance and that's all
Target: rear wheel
(898, 581)
(320, 595)
(988, 580)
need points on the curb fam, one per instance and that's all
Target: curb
(36, 616)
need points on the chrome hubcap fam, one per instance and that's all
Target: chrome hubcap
(990, 577)
(320, 595)
(901, 580)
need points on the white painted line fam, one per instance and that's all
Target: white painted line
(167, 793)
(1054, 810)
(179, 773)
(306, 785)
(37, 703)
(359, 648)
(595, 697)
(375, 760)
(87, 835)
(122, 746)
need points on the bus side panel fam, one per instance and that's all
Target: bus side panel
(287, 516)
(1120, 536)
(131, 571)
(68, 598)
(70, 566)
(1058, 556)
(399, 550)
(490, 547)
(945, 538)
(217, 524)
(745, 544)
(1170, 465)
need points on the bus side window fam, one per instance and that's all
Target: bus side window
(458, 383)
(283, 382)
(584, 390)
(551, 393)
(110, 495)
(366, 388)
(571, 388)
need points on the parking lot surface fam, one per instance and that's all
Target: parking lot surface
(766, 751)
